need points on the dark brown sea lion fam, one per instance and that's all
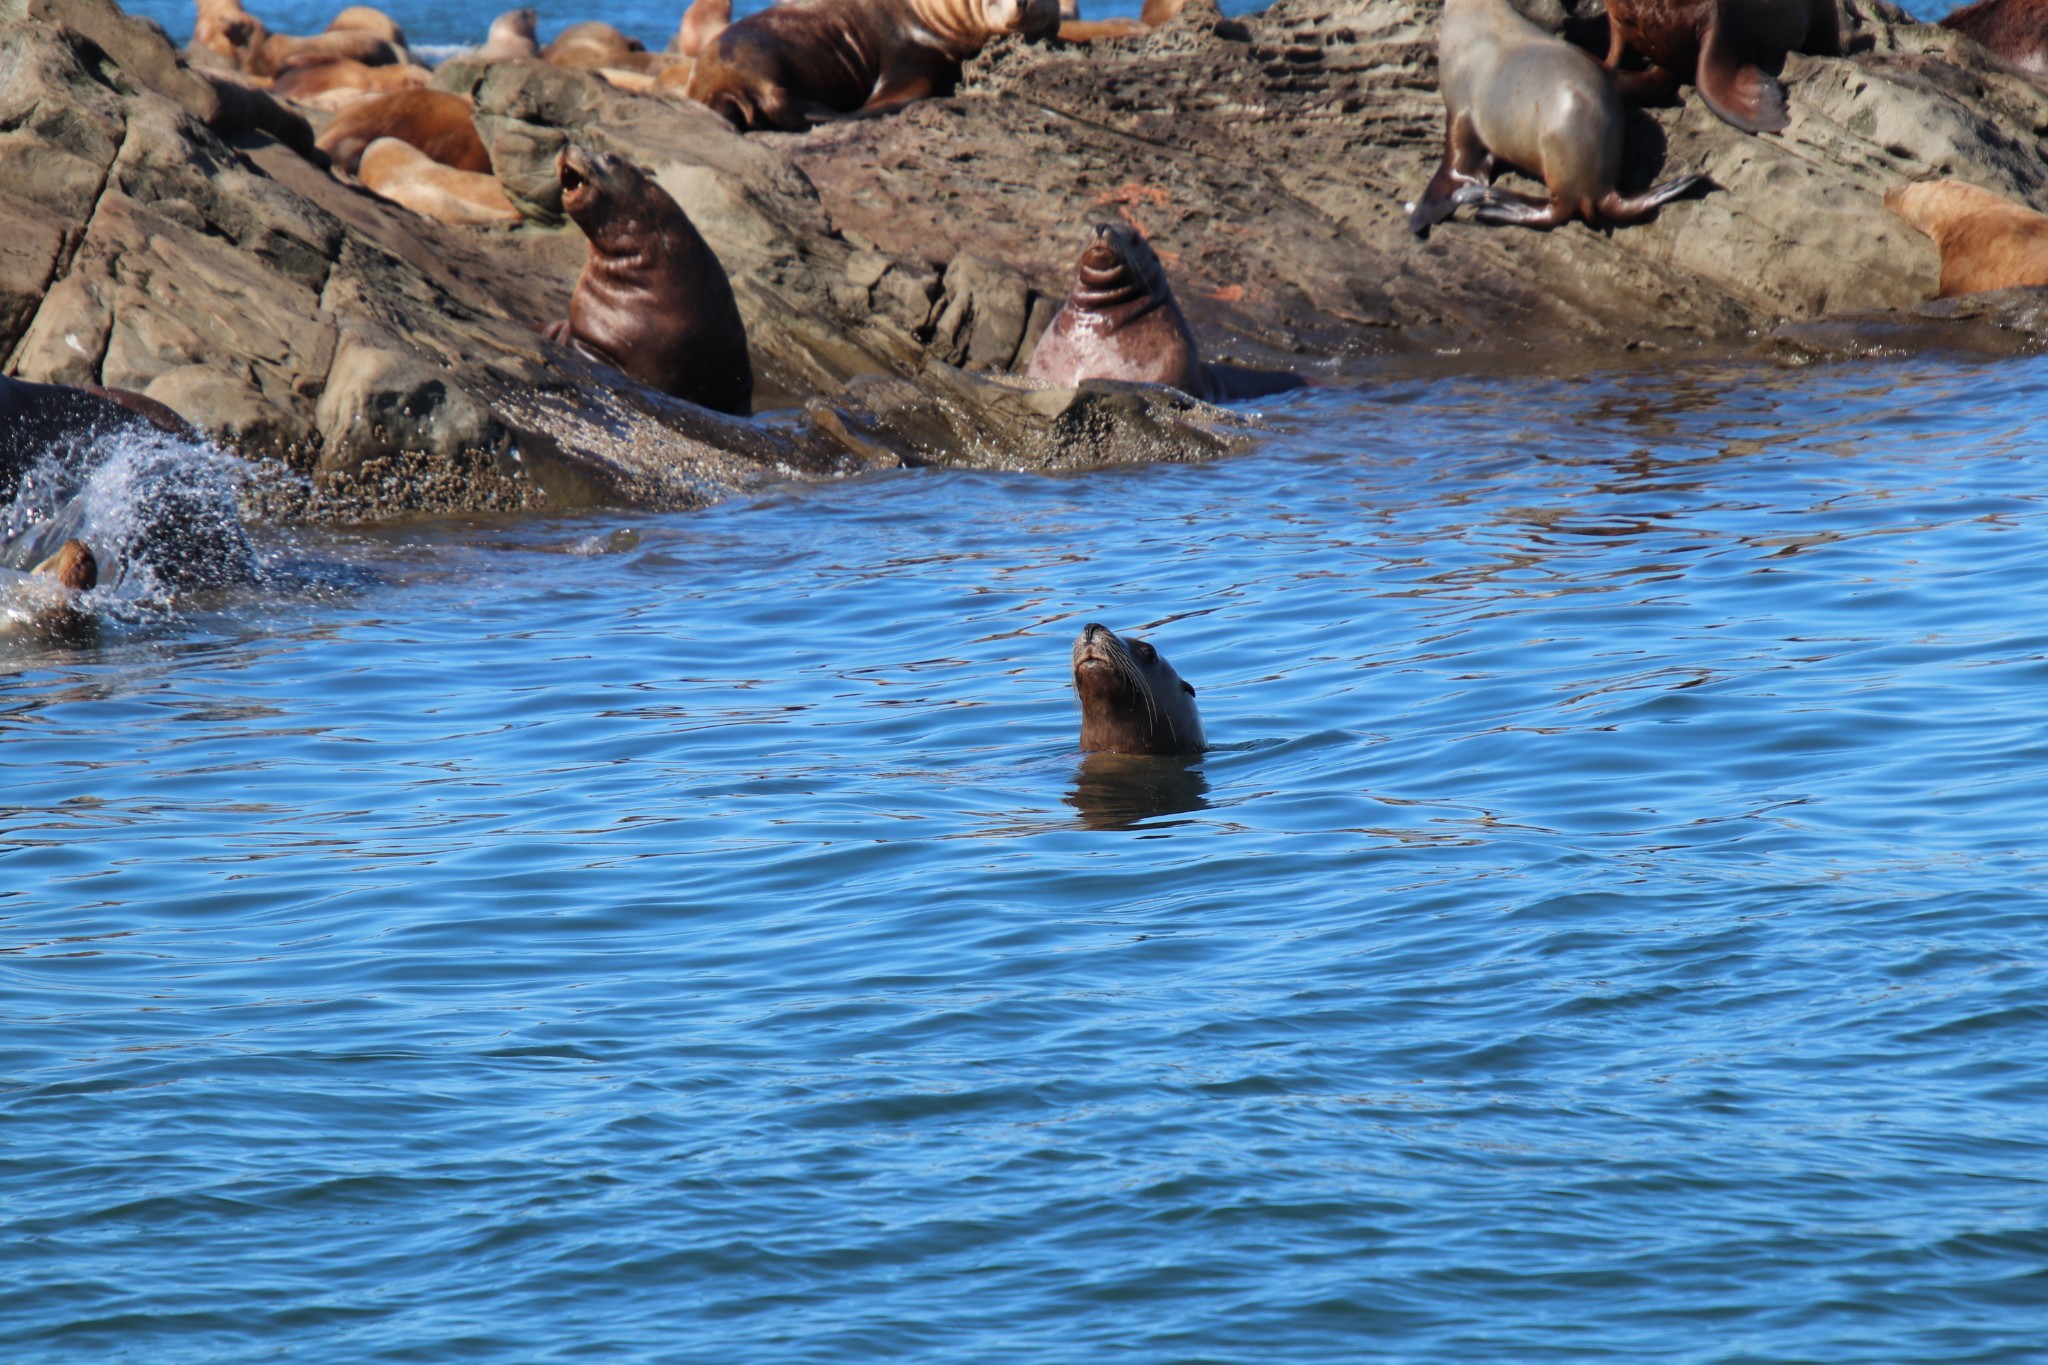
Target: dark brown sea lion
(434, 121)
(1120, 321)
(1518, 96)
(1132, 702)
(653, 299)
(242, 108)
(793, 65)
(2016, 30)
(511, 37)
(1730, 50)
(1987, 241)
(33, 416)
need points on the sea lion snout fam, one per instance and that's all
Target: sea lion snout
(1032, 18)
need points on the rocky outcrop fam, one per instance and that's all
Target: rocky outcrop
(889, 268)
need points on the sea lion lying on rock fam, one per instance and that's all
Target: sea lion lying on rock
(241, 108)
(511, 37)
(226, 29)
(702, 21)
(1517, 95)
(653, 299)
(405, 175)
(434, 121)
(1730, 50)
(1132, 702)
(1120, 321)
(367, 19)
(590, 45)
(335, 83)
(2016, 30)
(796, 64)
(1986, 240)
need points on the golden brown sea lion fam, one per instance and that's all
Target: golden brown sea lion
(2016, 30)
(434, 121)
(702, 21)
(793, 65)
(73, 565)
(590, 45)
(653, 299)
(1730, 50)
(1120, 321)
(1519, 96)
(43, 603)
(511, 37)
(1987, 241)
(365, 19)
(334, 84)
(404, 174)
(1132, 702)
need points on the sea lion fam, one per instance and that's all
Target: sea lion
(44, 601)
(405, 175)
(35, 416)
(335, 83)
(365, 19)
(1120, 321)
(242, 108)
(511, 37)
(2016, 30)
(1731, 50)
(793, 65)
(1132, 702)
(592, 44)
(702, 21)
(1517, 95)
(1987, 241)
(653, 299)
(434, 121)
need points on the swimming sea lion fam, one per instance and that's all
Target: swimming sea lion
(792, 65)
(1120, 321)
(1729, 49)
(44, 601)
(34, 416)
(1132, 702)
(1986, 240)
(653, 299)
(335, 83)
(2016, 30)
(1518, 95)
(434, 121)
(511, 37)
(405, 175)
(702, 21)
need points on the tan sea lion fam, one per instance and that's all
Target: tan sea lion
(44, 602)
(1987, 241)
(511, 38)
(793, 65)
(334, 84)
(365, 19)
(702, 21)
(434, 121)
(1731, 50)
(225, 29)
(405, 175)
(1132, 702)
(1120, 321)
(1517, 95)
(653, 299)
(2016, 30)
(590, 45)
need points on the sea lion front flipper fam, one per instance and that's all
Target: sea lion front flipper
(1742, 93)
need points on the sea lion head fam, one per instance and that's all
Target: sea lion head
(1132, 702)
(1119, 267)
(515, 28)
(73, 565)
(611, 199)
(1031, 18)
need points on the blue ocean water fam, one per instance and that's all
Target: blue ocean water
(1609, 926)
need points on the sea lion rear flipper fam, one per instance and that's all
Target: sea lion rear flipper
(1618, 210)
(1446, 193)
(1742, 93)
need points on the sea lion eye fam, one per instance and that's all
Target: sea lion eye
(1144, 651)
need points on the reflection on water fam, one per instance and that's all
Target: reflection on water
(1116, 791)
(1612, 906)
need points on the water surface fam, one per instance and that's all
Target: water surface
(1608, 927)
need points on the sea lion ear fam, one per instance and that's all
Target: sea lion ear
(1187, 687)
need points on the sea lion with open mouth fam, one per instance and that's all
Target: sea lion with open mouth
(653, 299)
(1132, 702)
